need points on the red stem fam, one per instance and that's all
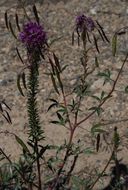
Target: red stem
(108, 96)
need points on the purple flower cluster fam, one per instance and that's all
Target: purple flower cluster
(83, 22)
(33, 35)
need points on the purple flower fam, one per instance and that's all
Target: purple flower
(80, 21)
(83, 22)
(90, 24)
(33, 35)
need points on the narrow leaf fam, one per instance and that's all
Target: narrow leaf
(19, 55)
(24, 80)
(95, 41)
(126, 89)
(52, 66)
(6, 20)
(18, 84)
(17, 22)
(103, 33)
(3, 102)
(1, 109)
(54, 83)
(41, 54)
(59, 79)
(22, 144)
(12, 31)
(114, 45)
(96, 62)
(57, 62)
(121, 33)
(73, 38)
(51, 106)
(59, 116)
(36, 14)
(97, 142)
(8, 117)
(88, 37)
(55, 122)
(42, 151)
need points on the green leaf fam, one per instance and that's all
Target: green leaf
(52, 66)
(22, 144)
(51, 106)
(96, 62)
(98, 110)
(19, 55)
(18, 84)
(17, 22)
(59, 79)
(54, 83)
(57, 62)
(96, 44)
(88, 151)
(64, 67)
(6, 20)
(7, 117)
(116, 138)
(73, 38)
(102, 95)
(96, 97)
(42, 151)
(97, 142)
(24, 80)
(126, 89)
(114, 45)
(36, 14)
(12, 31)
(55, 122)
(97, 129)
(59, 116)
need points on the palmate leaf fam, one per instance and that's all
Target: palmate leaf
(114, 45)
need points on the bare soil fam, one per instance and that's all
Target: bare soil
(58, 18)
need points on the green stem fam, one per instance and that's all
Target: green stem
(35, 133)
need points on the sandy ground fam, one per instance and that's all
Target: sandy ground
(58, 18)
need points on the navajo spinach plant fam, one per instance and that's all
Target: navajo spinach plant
(27, 173)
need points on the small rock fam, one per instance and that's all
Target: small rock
(93, 11)
(3, 82)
